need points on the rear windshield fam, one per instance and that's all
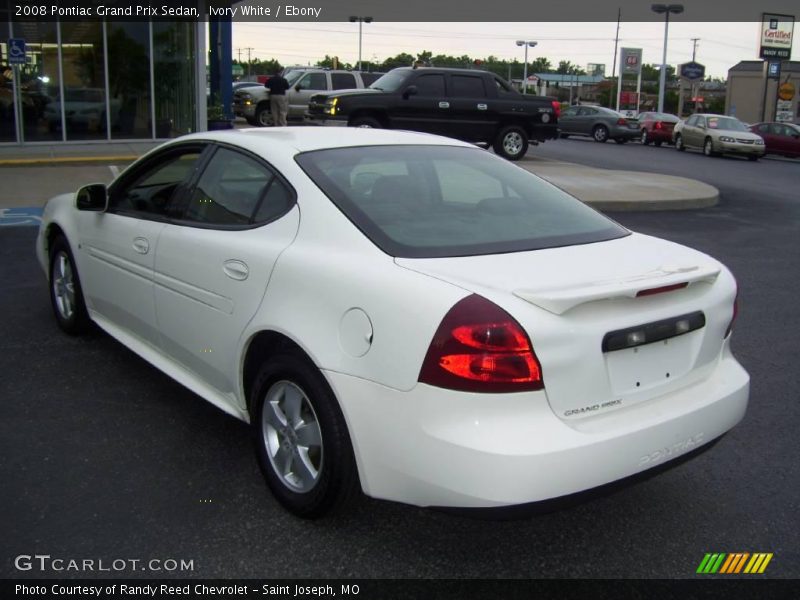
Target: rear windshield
(436, 201)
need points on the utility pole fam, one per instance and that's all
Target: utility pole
(614, 64)
(694, 47)
(249, 61)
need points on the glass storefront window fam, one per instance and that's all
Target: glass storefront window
(174, 67)
(39, 82)
(128, 46)
(85, 81)
(8, 132)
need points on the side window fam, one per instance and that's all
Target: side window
(314, 81)
(570, 112)
(503, 88)
(692, 122)
(431, 85)
(155, 191)
(467, 86)
(763, 128)
(586, 112)
(232, 190)
(370, 78)
(343, 81)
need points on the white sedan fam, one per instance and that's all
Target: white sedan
(401, 314)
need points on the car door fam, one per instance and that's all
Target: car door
(300, 93)
(119, 245)
(568, 119)
(472, 113)
(587, 116)
(695, 131)
(423, 105)
(213, 264)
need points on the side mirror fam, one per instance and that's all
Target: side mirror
(298, 87)
(410, 91)
(92, 197)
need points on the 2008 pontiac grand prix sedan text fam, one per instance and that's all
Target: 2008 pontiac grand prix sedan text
(402, 314)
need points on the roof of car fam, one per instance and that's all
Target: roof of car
(304, 139)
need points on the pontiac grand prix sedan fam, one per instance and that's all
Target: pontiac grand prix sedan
(401, 314)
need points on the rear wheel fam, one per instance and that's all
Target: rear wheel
(752, 158)
(679, 143)
(66, 295)
(563, 136)
(600, 134)
(657, 143)
(620, 140)
(645, 139)
(301, 438)
(511, 143)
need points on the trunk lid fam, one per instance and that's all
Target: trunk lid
(573, 300)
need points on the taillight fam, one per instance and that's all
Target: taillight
(479, 347)
(735, 312)
(556, 108)
(622, 121)
(659, 125)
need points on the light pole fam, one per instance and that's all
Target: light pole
(527, 44)
(360, 20)
(664, 9)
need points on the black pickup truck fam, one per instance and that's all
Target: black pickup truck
(470, 105)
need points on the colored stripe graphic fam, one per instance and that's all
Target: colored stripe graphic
(733, 563)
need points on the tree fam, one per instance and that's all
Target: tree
(401, 60)
(541, 65)
(565, 67)
(329, 63)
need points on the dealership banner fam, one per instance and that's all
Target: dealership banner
(776, 36)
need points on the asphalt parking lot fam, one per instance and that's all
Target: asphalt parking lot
(106, 457)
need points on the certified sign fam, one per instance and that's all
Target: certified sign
(776, 36)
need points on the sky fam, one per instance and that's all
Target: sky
(720, 45)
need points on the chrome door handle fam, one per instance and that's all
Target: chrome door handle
(482, 107)
(444, 105)
(141, 245)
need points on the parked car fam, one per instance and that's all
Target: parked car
(84, 108)
(598, 122)
(779, 138)
(716, 135)
(656, 127)
(440, 328)
(467, 104)
(252, 103)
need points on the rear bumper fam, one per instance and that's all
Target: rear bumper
(434, 447)
(660, 136)
(624, 133)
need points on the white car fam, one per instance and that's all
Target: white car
(402, 314)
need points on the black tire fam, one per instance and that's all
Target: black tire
(658, 143)
(511, 142)
(752, 158)
(645, 139)
(708, 147)
(563, 136)
(335, 484)
(66, 294)
(620, 140)
(366, 122)
(600, 134)
(263, 116)
(251, 121)
(679, 143)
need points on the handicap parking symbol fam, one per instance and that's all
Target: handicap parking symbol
(28, 215)
(16, 51)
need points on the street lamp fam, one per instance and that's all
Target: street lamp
(527, 44)
(664, 9)
(360, 20)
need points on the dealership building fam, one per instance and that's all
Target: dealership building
(101, 81)
(753, 96)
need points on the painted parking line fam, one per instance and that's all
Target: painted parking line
(20, 217)
(114, 170)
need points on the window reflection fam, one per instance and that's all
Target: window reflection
(174, 63)
(85, 82)
(129, 79)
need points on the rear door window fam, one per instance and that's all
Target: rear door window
(431, 85)
(467, 86)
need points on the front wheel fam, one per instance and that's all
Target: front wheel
(752, 158)
(679, 143)
(645, 139)
(600, 134)
(301, 438)
(365, 122)
(708, 148)
(66, 295)
(264, 117)
(511, 143)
